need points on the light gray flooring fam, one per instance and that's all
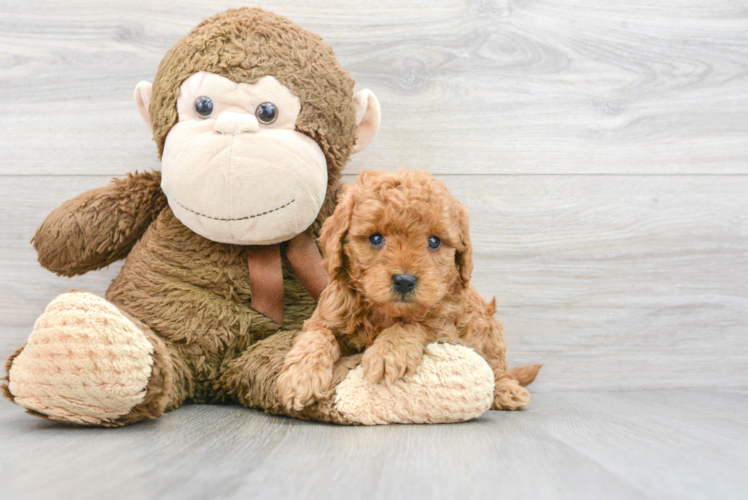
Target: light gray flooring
(679, 444)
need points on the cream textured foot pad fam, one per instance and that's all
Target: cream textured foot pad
(84, 363)
(453, 384)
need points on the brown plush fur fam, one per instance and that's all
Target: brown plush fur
(190, 295)
(157, 396)
(361, 310)
(252, 380)
(4, 387)
(100, 226)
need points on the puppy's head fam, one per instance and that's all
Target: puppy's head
(401, 239)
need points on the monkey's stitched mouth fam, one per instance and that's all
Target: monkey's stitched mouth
(240, 218)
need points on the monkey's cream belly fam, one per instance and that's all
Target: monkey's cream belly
(244, 189)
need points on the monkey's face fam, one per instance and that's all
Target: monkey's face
(234, 168)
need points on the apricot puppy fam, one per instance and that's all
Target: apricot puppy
(399, 255)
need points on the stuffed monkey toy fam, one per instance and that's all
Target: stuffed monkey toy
(254, 119)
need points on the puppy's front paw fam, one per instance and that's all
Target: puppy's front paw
(300, 384)
(509, 395)
(388, 361)
(307, 369)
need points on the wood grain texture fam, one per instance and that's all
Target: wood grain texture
(630, 445)
(466, 86)
(614, 282)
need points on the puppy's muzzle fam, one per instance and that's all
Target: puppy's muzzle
(404, 283)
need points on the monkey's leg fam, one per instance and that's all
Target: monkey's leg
(88, 363)
(453, 384)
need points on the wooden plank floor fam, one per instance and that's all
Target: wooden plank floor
(468, 86)
(689, 444)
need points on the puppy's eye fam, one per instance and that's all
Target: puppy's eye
(434, 242)
(204, 106)
(266, 113)
(376, 240)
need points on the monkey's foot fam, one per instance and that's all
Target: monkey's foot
(85, 363)
(452, 384)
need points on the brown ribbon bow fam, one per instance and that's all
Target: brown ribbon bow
(266, 273)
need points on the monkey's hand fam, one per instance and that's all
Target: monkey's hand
(308, 369)
(100, 226)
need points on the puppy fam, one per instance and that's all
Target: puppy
(399, 255)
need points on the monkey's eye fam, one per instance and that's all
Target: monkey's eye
(434, 242)
(203, 106)
(376, 240)
(266, 113)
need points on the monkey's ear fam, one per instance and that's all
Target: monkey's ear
(367, 118)
(143, 94)
(334, 231)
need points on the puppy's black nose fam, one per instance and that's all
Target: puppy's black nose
(404, 283)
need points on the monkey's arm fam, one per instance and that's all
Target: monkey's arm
(99, 226)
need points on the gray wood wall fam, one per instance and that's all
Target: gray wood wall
(601, 146)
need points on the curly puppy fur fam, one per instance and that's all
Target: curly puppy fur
(361, 308)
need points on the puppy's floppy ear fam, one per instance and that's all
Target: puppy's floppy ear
(334, 231)
(464, 257)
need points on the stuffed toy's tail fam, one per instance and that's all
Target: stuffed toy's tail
(525, 375)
